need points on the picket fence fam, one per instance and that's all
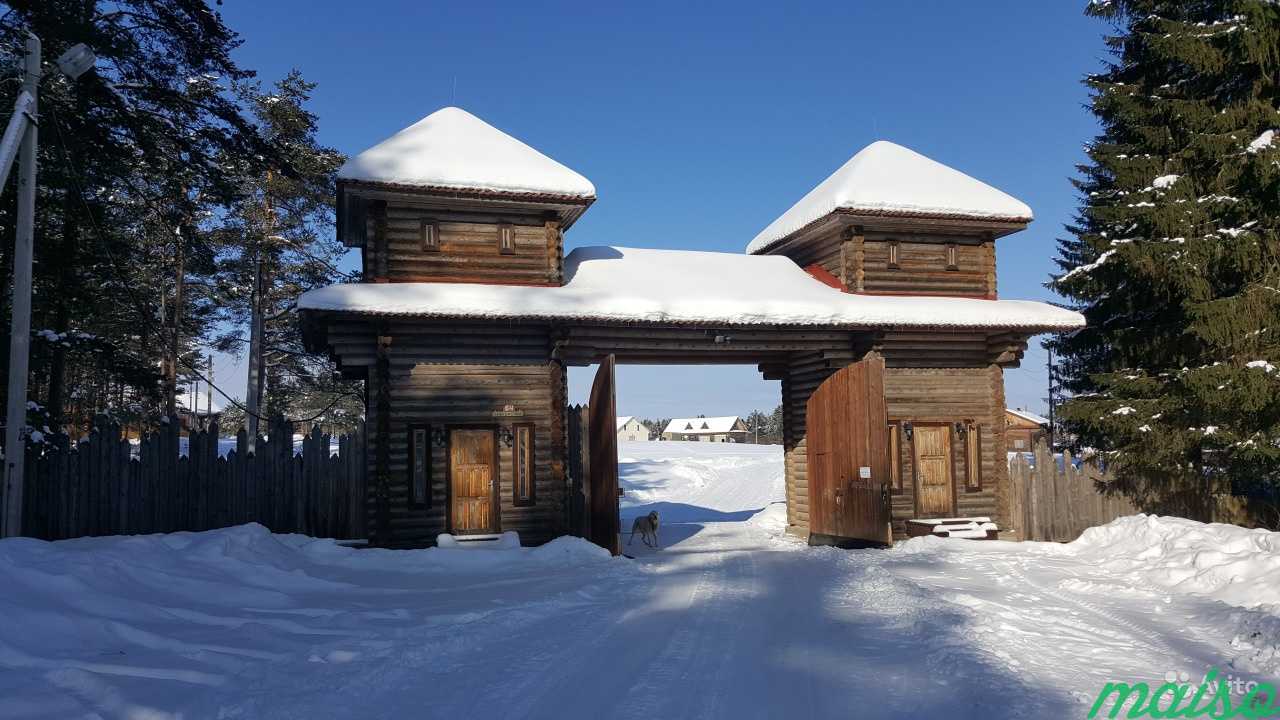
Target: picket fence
(1055, 499)
(105, 485)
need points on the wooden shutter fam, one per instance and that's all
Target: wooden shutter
(419, 466)
(893, 254)
(523, 469)
(973, 458)
(952, 261)
(895, 458)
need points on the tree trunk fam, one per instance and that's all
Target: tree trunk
(253, 385)
(257, 310)
(65, 258)
(175, 347)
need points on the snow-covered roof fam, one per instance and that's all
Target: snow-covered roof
(1029, 416)
(701, 425)
(453, 149)
(622, 421)
(686, 286)
(887, 179)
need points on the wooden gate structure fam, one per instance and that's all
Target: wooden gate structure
(848, 457)
(603, 451)
(469, 311)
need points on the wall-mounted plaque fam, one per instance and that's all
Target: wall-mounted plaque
(508, 411)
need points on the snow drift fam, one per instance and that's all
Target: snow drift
(1237, 566)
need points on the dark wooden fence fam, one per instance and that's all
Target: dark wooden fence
(1055, 499)
(105, 485)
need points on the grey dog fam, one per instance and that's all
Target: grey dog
(647, 526)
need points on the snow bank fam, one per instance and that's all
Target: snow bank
(1262, 142)
(1224, 562)
(568, 551)
(886, 178)
(677, 286)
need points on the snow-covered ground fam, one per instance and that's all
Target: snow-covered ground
(729, 619)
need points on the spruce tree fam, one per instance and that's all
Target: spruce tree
(1175, 259)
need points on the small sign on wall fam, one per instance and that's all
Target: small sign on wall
(864, 472)
(508, 411)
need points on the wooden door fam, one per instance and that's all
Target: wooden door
(847, 453)
(934, 484)
(602, 480)
(473, 474)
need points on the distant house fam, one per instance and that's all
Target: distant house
(206, 410)
(632, 430)
(706, 429)
(1023, 430)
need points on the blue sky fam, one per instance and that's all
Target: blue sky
(701, 122)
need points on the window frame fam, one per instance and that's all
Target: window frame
(506, 238)
(429, 235)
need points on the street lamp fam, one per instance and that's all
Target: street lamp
(19, 140)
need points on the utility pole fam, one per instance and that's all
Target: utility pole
(22, 127)
(1053, 397)
(15, 441)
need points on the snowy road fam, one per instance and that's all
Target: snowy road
(729, 619)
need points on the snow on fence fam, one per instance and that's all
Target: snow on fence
(102, 486)
(1056, 498)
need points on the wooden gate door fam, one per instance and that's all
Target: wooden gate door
(602, 473)
(934, 486)
(473, 472)
(847, 453)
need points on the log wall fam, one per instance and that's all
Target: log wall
(397, 249)
(444, 375)
(971, 396)
(861, 260)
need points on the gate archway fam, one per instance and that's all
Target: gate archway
(802, 358)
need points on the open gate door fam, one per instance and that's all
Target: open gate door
(846, 441)
(602, 474)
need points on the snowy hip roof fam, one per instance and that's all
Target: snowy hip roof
(685, 287)
(453, 149)
(887, 179)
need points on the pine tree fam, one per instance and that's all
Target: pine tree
(1175, 259)
(280, 243)
(130, 174)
